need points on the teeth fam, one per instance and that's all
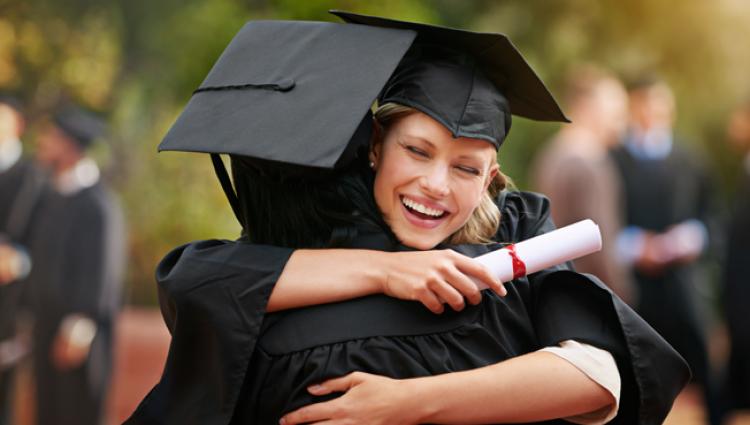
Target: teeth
(421, 208)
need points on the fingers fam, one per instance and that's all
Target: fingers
(310, 414)
(341, 384)
(470, 267)
(463, 284)
(318, 412)
(430, 300)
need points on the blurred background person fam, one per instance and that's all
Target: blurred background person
(736, 283)
(20, 186)
(668, 197)
(576, 173)
(76, 246)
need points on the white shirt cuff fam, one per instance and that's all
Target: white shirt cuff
(600, 366)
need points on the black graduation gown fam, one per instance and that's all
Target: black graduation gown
(77, 246)
(20, 186)
(736, 295)
(658, 194)
(230, 363)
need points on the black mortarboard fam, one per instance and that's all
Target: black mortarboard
(470, 82)
(82, 126)
(289, 91)
(289, 96)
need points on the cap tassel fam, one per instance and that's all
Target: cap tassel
(226, 184)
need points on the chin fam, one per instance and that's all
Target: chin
(422, 244)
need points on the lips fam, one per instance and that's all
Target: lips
(422, 215)
(422, 209)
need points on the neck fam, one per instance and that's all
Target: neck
(64, 165)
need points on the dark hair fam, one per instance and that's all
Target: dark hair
(297, 208)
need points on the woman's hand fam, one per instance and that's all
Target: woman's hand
(437, 277)
(369, 399)
(320, 276)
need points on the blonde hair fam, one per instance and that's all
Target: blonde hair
(485, 220)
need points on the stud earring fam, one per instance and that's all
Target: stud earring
(372, 164)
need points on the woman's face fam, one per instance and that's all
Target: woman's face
(427, 184)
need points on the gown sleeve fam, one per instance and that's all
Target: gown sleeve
(213, 296)
(568, 305)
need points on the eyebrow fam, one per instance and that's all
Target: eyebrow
(412, 136)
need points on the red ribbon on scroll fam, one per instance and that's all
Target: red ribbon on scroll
(519, 267)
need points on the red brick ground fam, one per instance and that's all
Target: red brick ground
(141, 349)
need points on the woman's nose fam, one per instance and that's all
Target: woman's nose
(435, 182)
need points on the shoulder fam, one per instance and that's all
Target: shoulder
(214, 259)
(95, 204)
(689, 157)
(523, 215)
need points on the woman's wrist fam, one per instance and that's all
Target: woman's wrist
(383, 265)
(423, 400)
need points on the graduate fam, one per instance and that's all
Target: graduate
(231, 362)
(77, 248)
(662, 247)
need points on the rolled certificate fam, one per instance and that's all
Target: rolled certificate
(538, 253)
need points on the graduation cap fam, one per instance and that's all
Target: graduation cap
(297, 95)
(470, 82)
(82, 126)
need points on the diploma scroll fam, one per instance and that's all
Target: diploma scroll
(538, 253)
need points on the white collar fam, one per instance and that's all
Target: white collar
(655, 143)
(81, 176)
(10, 153)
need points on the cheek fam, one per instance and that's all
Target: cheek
(383, 191)
(470, 194)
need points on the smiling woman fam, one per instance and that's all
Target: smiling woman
(430, 186)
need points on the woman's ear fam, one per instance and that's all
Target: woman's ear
(491, 175)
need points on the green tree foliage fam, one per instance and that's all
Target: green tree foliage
(138, 61)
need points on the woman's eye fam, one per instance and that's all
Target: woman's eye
(417, 151)
(469, 170)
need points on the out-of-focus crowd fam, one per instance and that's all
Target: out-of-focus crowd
(62, 248)
(621, 164)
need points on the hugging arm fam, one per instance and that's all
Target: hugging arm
(313, 277)
(533, 387)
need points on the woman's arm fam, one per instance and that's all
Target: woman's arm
(534, 387)
(322, 276)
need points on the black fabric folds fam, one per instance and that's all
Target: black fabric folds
(226, 366)
(213, 295)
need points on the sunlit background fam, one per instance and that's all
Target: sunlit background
(138, 61)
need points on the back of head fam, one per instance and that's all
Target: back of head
(298, 209)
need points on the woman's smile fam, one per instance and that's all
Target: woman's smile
(423, 213)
